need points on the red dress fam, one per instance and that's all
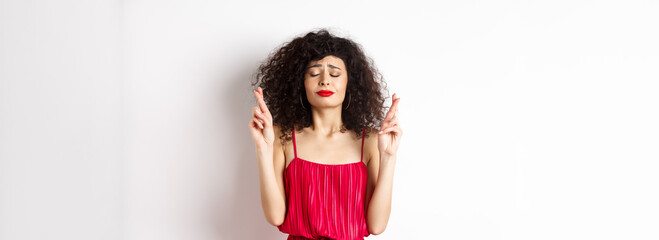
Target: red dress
(325, 201)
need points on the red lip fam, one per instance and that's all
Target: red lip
(325, 93)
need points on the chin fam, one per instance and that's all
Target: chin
(325, 105)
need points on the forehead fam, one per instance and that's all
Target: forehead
(328, 60)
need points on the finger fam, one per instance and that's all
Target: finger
(398, 132)
(257, 112)
(385, 130)
(393, 108)
(256, 95)
(259, 98)
(262, 106)
(390, 113)
(385, 124)
(260, 91)
(396, 129)
(386, 127)
(389, 123)
(253, 124)
(393, 121)
(394, 99)
(261, 117)
(257, 123)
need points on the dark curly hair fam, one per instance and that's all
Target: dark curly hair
(281, 77)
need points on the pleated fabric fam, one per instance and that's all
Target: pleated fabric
(325, 201)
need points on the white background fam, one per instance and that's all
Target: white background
(522, 119)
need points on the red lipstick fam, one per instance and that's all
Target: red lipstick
(325, 93)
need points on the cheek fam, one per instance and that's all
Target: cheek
(342, 84)
(308, 85)
(344, 80)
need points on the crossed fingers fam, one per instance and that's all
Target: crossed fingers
(261, 114)
(390, 122)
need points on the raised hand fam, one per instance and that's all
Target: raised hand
(390, 131)
(261, 123)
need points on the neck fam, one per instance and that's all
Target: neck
(326, 121)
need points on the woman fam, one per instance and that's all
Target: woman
(324, 99)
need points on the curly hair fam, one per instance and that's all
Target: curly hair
(281, 77)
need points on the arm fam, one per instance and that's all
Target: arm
(273, 196)
(379, 190)
(270, 155)
(381, 170)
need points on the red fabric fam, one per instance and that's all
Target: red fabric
(325, 201)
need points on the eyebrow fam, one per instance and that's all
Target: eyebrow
(319, 65)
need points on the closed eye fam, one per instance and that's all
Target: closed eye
(319, 74)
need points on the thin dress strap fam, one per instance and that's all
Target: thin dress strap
(363, 132)
(294, 147)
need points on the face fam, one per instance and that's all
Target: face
(329, 75)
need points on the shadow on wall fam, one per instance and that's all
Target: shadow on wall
(234, 210)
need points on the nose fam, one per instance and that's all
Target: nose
(324, 80)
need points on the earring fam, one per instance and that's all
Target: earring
(349, 100)
(302, 103)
